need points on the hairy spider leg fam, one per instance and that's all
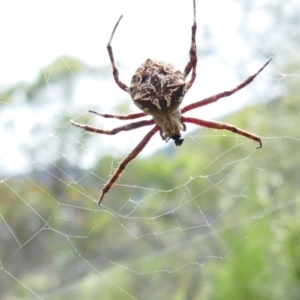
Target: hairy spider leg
(223, 94)
(192, 64)
(120, 117)
(116, 130)
(220, 126)
(122, 85)
(127, 159)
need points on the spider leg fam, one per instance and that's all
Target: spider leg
(191, 65)
(220, 126)
(116, 130)
(120, 117)
(223, 94)
(122, 85)
(126, 161)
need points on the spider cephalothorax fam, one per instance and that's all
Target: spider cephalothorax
(158, 88)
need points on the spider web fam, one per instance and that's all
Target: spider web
(212, 219)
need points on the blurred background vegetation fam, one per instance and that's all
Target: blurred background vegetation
(215, 219)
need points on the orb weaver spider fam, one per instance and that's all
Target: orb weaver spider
(158, 88)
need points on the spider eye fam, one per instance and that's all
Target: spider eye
(177, 139)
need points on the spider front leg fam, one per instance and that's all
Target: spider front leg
(220, 126)
(192, 64)
(126, 161)
(122, 85)
(216, 97)
(126, 127)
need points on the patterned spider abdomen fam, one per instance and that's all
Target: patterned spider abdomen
(157, 87)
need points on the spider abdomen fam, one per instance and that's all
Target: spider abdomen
(157, 87)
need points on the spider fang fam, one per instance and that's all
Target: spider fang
(177, 139)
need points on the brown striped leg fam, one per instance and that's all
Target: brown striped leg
(223, 94)
(120, 117)
(125, 127)
(193, 53)
(122, 85)
(220, 126)
(126, 161)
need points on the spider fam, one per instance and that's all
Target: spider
(158, 88)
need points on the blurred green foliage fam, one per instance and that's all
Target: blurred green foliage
(255, 260)
(214, 219)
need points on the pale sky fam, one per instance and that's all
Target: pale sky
(34, 33)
